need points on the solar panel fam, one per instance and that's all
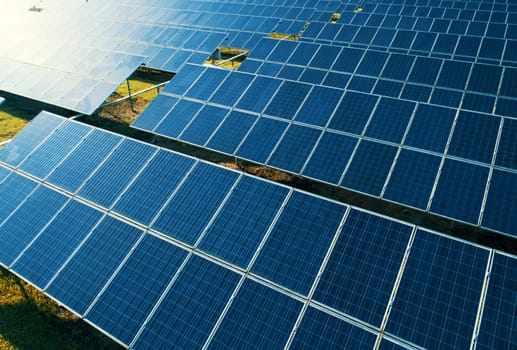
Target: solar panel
(116, 172)
(460, 190)
(319, 330)
(368, 253)
(496, 329)
(191, 207)
(258, 318)
(81, 278)
(243, 221)
(42, 258)
(123, 306)
(428, 312)
(306, 226)
(26, 221)
(190, 310)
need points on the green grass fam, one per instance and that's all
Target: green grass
(30, 320)
(12, 120)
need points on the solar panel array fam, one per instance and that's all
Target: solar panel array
(411, 102)
(208, 256)
(44, 62)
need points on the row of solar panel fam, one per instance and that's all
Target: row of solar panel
(321, 64)
(61, 88)
(423, 126)
(294, 9)
(147, 292)
(425, 43)
(359, 162)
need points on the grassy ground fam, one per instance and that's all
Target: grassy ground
(13, 118)
(30, 320)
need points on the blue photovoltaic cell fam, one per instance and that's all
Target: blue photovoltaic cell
(124, 305)
(497, 330)
(29, 137)
(508, 87)
(446, 97)
(207, 83)
(243, 221)
(231, 132)
(184, 79)
(319, 330)
(417, 93)
(454, 74)
(460, 191)
(364, 264)
(299, 241)
(177, 118)
(287, 72)
(13, 191)
(191, 308)
(21, 228)
(288, 99)
(261, 140)
(303, 53)
(369, 168)
(52, 151)
(155, 112)
(360, 83)
(329, 159)
(398, 67)
(56, 242)
(337, 80)
(113, 176)
(478, 102)
(372, 63)
(148, 193)
(232, 88)
(390, 119)
(430, 128)
(501, 205)
(412, 179)
(259, 318)
(259, 93)
(353, 112)
(196, 201)
(388, 88)
(76, 168)
(474, 136)
(325, 56)
(3, 173)
(485, 78)
(83, 277)
(365, 35)
(507, 148)
(429, 312)
(468, 46)
(269, 69)
(425, 70)
(282, 51)
(319, 106)
(506, 107)
(294, 148)
(348, 60)
(203, 125)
